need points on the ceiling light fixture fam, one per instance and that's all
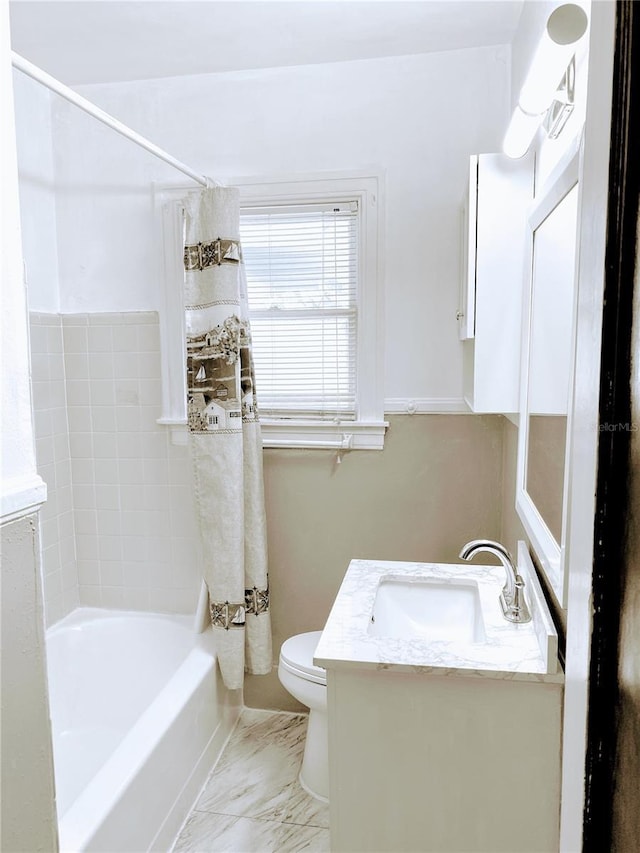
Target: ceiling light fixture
(548, 73)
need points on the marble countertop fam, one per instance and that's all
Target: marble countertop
(510, 651)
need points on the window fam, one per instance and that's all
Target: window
(302, 272)
(310, 250)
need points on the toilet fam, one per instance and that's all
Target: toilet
(307, 683)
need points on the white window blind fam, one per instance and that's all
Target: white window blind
(302, 274)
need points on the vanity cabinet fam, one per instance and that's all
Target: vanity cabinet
(442, 764)
(494, 251)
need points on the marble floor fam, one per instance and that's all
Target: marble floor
(253, 802)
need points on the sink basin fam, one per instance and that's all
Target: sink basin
(428, 609)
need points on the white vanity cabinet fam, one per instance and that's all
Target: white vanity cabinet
(493, 254)
(443, 764)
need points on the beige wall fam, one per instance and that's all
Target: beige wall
(28, 815)
(546, 446)
(436, 485)
(512, 529)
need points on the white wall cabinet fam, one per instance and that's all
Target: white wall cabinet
(494, 252)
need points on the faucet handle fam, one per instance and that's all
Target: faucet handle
(515, 610)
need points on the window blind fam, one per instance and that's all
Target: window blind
(302, 272)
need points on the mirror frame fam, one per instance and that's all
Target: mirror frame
(550, 554)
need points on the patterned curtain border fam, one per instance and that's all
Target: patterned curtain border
(227, 614)
(200, 256)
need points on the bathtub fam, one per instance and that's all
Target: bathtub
(139, 716)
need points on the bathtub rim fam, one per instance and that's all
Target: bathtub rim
(85, 614)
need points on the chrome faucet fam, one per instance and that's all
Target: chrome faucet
(512, 601)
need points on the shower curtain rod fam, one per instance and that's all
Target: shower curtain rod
(59, 88)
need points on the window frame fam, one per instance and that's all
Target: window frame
(368, 430)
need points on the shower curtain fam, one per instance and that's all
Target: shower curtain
(226, 445)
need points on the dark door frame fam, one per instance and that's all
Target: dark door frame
(614, 438)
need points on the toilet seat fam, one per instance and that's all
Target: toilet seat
(296, 656)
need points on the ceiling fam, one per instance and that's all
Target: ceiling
(100, 41)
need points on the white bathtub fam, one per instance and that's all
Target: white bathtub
(139, 717)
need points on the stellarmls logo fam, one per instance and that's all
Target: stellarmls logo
(622, 427)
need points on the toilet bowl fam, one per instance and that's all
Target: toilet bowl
(308, 684)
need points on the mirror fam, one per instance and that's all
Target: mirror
(547, 371)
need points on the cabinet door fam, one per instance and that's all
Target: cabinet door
(466, 315)
(497, 248)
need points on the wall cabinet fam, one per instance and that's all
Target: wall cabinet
(494, 256)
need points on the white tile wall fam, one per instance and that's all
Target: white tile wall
(135, 529)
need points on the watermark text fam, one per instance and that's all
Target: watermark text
(621, 427)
